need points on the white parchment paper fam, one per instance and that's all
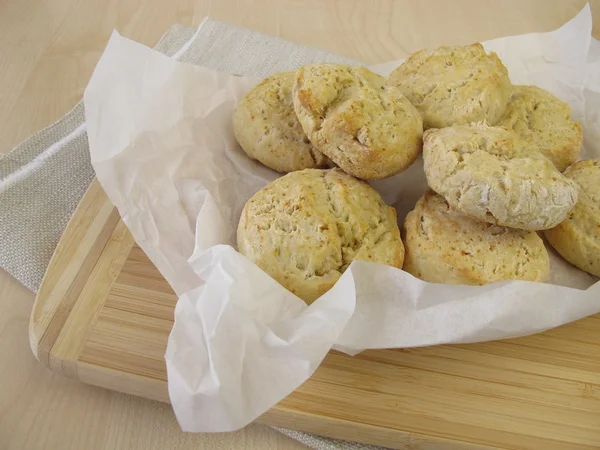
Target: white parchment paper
(163, 149)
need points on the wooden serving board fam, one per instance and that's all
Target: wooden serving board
(104, 312)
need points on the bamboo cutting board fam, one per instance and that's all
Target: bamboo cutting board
(104, 312)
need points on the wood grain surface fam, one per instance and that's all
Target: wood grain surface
(104, 313)
(48, 50)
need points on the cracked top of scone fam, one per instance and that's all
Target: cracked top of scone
(493, 175)
(454, 85)
(266, 127)
(544, 121)
(305, 228)
(446, 246)
(367, 128)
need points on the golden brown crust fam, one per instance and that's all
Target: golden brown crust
(304, 229)
(489, 173)
(577, 238)
(367, 128)
(454, 85)
(445, 246)
(541, 119)
(266, 127)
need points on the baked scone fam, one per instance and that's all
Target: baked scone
(445, 246)
(491, 174)
(454, 85)
(305, 228)
(266, 127)
(577, 239)
(367, 128)
(544, 121)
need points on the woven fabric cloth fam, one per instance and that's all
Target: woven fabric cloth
(43, 179)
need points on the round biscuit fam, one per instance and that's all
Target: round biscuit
(491, 174)
(544, 121)
(368, 129)
(577, 238)
(305, 228)
(445, 246)
(454, 85)
(267, 129)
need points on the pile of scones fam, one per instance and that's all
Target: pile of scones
(500, 161)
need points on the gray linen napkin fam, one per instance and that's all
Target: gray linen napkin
(43, 179)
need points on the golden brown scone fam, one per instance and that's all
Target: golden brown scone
(367, 128)
(446, 246)
(544, 121)
(266, 127)
(577, 239)
(491, 174)
(454, 85)
(305, 228)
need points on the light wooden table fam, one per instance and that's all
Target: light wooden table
(48, 50)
